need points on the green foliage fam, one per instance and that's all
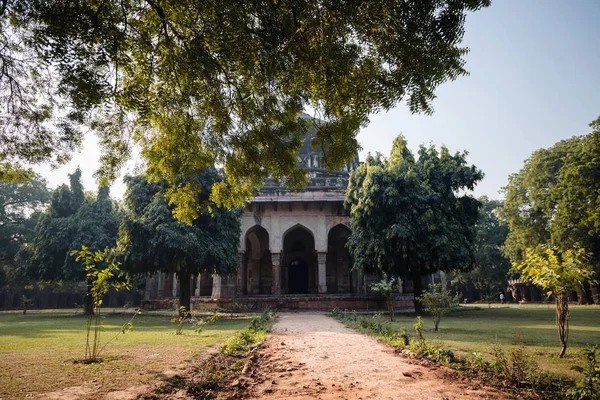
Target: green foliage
(439, 301)
(558, 273)
(101, 280)
(20, 208)
(588, 387)
(409, 217)
(490, 273)
(553, 199)
(242, 342)
(70, 222)
(386, 287)
(151, 239)
(220, 82)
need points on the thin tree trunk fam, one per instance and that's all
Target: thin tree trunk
(185, 293)
(418, 290)
(88, 301)
(562, 321)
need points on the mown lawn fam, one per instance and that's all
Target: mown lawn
(38, 350)
(478, 329)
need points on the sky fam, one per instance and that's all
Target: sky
(534, 79)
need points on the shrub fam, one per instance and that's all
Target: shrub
(588, 387)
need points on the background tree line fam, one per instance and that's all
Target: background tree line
(39, 229)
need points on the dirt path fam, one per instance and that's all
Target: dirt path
(312, 356)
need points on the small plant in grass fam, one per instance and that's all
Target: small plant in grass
(26, 302)
(242, 342)
(438, 301)
(386, 287)
(588, 387)
(185, 316)
(101, 280)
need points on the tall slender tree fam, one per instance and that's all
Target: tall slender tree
(411, 216)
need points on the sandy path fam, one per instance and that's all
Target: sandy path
(312, 356)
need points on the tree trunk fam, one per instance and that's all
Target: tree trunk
(390, 303)
(185, 279)
(418, 290)
(88, 301)
(562, 321)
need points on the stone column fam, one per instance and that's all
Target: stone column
(151, 288)
(276, 262)
(175, 285)
(216, 290)
(241, 275)
(198, 281)
(160, 292)
(322, 282)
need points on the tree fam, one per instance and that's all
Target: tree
(71, 221)
(386, 287)
(554, 200)
(558, 272)
(439, 301)
(20, 208)
(490, 274)
(412, 217)
(152, 239)
(199, 83)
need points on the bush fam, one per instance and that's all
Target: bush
(588, 387)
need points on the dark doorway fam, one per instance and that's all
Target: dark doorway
(298, 273)
(299, 265)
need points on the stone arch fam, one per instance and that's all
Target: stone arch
(339, 275)
(258, 268)
(299, 261)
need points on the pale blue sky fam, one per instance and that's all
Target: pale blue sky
(534, 80)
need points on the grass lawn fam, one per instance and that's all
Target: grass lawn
(477, 329)
(37, 351)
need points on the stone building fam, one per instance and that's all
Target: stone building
(292, 250)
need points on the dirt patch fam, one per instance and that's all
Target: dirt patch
(312, 356)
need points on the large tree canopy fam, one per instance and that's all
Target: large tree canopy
(555, 199)
(71, 221)
(152, 240)
(202, 82)
(412, 216)
(20, 208)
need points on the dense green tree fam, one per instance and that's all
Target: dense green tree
(412, 217)
(20, 208)
(70, 221)
(554, 200)
(153, 240)
(199, 83)
(490, 274)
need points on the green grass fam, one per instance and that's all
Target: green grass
(473, 329)
(38, 350)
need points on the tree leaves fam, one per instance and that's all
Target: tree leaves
(224, 82)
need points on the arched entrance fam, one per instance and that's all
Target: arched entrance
(259, 270)
(340, 279)
(299, 262)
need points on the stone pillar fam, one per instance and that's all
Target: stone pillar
(241, 274)
(322, 282)
(151, 288)
(223, 286)
(276, 262)
(160, 292)
(216, 291)
(198, 281)
(175, 292)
